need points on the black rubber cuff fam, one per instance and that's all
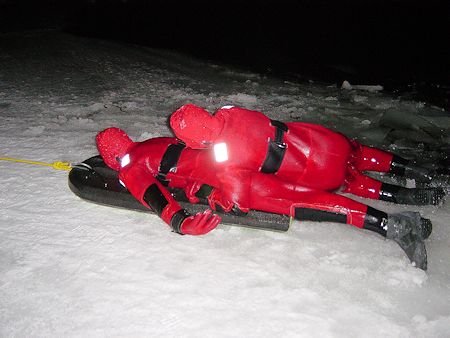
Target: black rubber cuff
(398, 165)
(389, 193)
(376, 220)
(177, 220)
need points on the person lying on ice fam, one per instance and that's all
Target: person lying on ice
(146, 168)
(302, 153)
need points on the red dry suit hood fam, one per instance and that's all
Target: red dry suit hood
(113, 144)
(195, 126)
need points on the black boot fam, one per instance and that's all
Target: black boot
(443, 167)
(378, 221)
(403, 167)
(414, 196)
(408, 229)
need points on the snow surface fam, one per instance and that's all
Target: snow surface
(72, 268)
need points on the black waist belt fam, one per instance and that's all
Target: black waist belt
(276, 149)
(169, 161)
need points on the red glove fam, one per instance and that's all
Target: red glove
(217, 198)
(200, 224)
(191, 189)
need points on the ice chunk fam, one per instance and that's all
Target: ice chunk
(370, 88)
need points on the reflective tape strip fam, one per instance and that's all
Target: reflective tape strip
(221, 152)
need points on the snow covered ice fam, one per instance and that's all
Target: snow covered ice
(73, 268)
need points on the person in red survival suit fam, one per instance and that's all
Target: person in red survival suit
(304, 154)
(146, 168)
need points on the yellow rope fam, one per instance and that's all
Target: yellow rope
(55, 165)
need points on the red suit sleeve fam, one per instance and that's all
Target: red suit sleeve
(235, 188)
(150, 192)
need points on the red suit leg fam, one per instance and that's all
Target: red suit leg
(273, 195)
(370, 159)
(361, 185)
(365, 158)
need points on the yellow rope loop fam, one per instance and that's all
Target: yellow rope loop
(61, 165)
(55, 165)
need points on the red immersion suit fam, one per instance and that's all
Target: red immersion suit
(313, 162)
(253, 162)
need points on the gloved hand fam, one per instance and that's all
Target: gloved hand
(191, 189)
(216, 198)
(409, 230)
(200, 224)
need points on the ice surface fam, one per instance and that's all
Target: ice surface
(71, 268)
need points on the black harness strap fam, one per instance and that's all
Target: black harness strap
(317, 215)
(155, 199)
(169, 162)
(276, 149)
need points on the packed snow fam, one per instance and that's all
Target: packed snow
(73, 268)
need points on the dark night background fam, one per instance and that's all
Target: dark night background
(402, 45)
